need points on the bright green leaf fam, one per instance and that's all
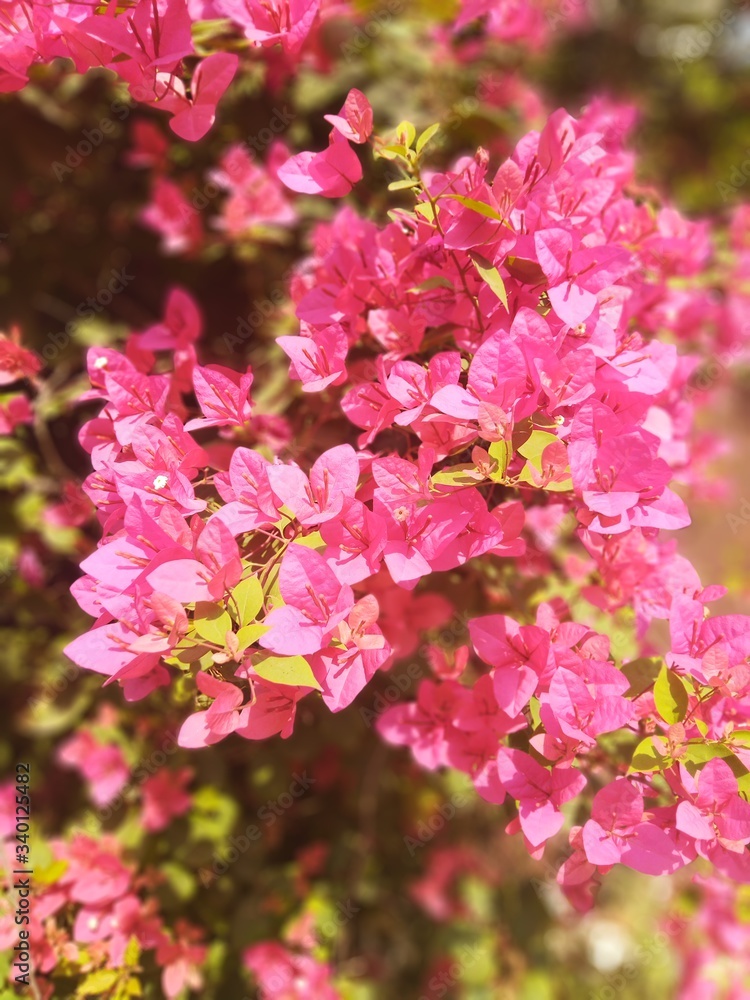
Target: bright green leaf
(404, 185)
(641, 673)
(492, 277)
(292, 670)
(406, 132)
(98, 982)
(428, 134)
(500, 452)
(477, 206)
(212, 622)
(648, 755)
(132, 952)
(249, 634)
(670, 696)
(248, 596)
(458, 475)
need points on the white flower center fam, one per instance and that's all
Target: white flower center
(160, 482)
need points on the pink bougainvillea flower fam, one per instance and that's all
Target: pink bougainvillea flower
(315, 603)
(225, 715)
(321, 497)
(222, 396)
(331, 173)
(208, 85)
(618, 831)
(271, 22)
(16, 362)
(343, 670)
(354, 121)
(539, 792)
(164, 797)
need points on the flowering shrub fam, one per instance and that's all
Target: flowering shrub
(478, 411)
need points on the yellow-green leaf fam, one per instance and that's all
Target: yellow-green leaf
(249, 634)
(477, 206)
(426, 211)
(641, 673)
(428, 134)
(292, 670)
(212, 622)
(98, 982)
(404, 185)
(500, 452)
(492, 277)
(458, 475)
(132, 952)
(648, 756)
(248, 596)
(406, 133)
(670, 696)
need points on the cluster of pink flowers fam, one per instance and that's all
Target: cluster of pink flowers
(714, 944)
(499, 348)
(551, 281)
(254, 204)
(145, 44)
(530, 23)
(16, 363)
(283, 974)
(90, 899)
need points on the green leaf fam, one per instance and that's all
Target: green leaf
(458, 475)
(477, 206)
(670, 696)
(491, 276)
(641, 673)
(533, 449)
(212, 622)
(436, 281)
(248, 595)
(132, 951)
(292, 670)
(405, 184)
(312, 541)
(406, 132)
(393, 152)
(51, 873)
(249, 634)
(500, 452)
(427, 211)
(647, 756)
(698, 752)
(181, 880)
(98, 982)
(213, 814)
(429, 133)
